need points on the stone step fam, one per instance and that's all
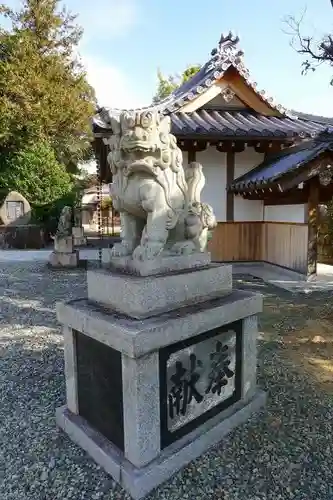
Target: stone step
(142, 297)
(165, 263)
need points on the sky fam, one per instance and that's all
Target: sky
(126, 41)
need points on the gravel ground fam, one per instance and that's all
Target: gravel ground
(284, 453)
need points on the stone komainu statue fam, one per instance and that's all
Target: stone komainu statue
(159, 203)
(65, 223)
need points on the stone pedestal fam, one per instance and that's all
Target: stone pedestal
(158, 369)
(164, 264)
(79, 239)
(63, 256)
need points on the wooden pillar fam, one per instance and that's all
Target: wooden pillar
(230, 177)
(313, 200)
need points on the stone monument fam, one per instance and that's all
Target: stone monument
(64, 254)
(79, 238)
(160, 358)
(15, 209)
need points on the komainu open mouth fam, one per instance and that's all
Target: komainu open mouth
(138, 146)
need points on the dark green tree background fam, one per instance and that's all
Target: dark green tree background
(45, 100)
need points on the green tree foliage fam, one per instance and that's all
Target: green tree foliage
(35, 172)
(166, 85)
(44, 94)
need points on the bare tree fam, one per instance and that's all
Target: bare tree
(316, 52)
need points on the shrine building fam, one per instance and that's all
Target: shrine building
(267, 169)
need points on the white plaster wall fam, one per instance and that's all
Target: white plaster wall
(214, 191)
(247, 210)
(284, 213)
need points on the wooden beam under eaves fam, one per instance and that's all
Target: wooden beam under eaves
(230, 146)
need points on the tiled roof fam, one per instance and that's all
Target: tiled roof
(274, 168)
(226, 55)
(214, 124)
(325, 120)
(224, 124)
(220, 124)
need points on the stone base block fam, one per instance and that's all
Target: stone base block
(140, 481)
(136, 338)
(63, 244)
(146, 396)
(77, 231)
(142, 297)
(64, 259)
(165, 263)
(79, 239)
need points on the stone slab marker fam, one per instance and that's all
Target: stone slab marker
(160, 358)
(79, 238)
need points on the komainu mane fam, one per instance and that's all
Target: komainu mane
(159, 202)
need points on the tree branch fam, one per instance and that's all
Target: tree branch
(319, 52)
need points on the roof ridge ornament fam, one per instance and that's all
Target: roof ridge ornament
(227, 43)
(227, 52)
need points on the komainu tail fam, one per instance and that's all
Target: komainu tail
(195, 180)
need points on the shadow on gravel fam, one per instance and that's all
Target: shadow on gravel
(301, 324)
(283, 453)
(29, 292)
(282, 450)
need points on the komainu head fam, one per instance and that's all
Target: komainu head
(142, 142)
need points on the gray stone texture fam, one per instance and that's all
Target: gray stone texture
(79, 239)
(139, 482)
(204, 365)
(99, 448)
(70, 370)
(63, 244)
(137, 316)
(141, 398)
(63, 260)
(20, 219)
(249, 355)
(138, 337)
(142, 297)
(165, 263)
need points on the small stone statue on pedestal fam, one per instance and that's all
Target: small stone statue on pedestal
(63, 254)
